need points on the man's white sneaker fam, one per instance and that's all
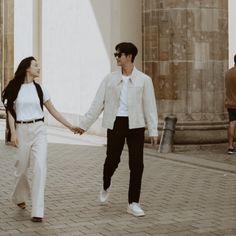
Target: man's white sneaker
(135, 209)
(104, 195)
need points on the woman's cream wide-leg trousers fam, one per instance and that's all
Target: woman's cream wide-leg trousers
(32, 144)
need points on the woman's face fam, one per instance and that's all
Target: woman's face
(34, 69)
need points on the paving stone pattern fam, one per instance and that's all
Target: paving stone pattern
(179, 199)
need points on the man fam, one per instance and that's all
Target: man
(128, 100)
(230, 104)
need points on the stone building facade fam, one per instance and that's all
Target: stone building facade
(186, 54)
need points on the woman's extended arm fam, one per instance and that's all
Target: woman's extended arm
(53, 111)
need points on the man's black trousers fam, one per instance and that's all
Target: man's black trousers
(115, 144)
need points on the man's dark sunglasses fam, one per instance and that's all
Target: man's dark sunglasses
(118, 54)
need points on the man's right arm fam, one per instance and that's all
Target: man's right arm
(96, 107)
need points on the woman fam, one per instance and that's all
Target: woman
(24, 100)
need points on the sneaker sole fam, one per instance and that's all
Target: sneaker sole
(135, 214)
(230, 153)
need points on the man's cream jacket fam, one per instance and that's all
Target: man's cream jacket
(142, 109)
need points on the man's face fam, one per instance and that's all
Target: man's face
(121, 58)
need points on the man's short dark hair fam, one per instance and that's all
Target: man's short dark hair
(235, 59)
(128, 49)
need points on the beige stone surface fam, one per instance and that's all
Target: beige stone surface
(186, 54)
(184, 193)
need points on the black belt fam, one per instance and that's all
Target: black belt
(29, 121)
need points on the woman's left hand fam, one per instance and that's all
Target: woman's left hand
(14, 140)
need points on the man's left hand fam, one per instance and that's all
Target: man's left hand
(154, 140)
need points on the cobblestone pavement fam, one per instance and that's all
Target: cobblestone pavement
(179, 199)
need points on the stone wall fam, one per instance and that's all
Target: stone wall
(186, 54)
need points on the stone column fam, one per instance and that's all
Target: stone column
(6, 50)
(185, 47)
(6, 41)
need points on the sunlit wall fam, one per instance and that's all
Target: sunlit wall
(77, 50)
(76, 44)
(23, 30)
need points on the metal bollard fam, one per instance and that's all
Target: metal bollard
(167, 137)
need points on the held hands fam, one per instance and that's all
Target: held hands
(77, 130)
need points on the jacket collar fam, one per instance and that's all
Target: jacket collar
(132, 77)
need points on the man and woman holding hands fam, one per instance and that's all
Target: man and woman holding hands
(126, 98)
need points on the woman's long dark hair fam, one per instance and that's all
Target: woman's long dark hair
(11, 91)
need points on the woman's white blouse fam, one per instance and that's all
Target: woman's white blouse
(27, 104)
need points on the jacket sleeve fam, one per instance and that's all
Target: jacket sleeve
(150, 109)
(96, 107)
